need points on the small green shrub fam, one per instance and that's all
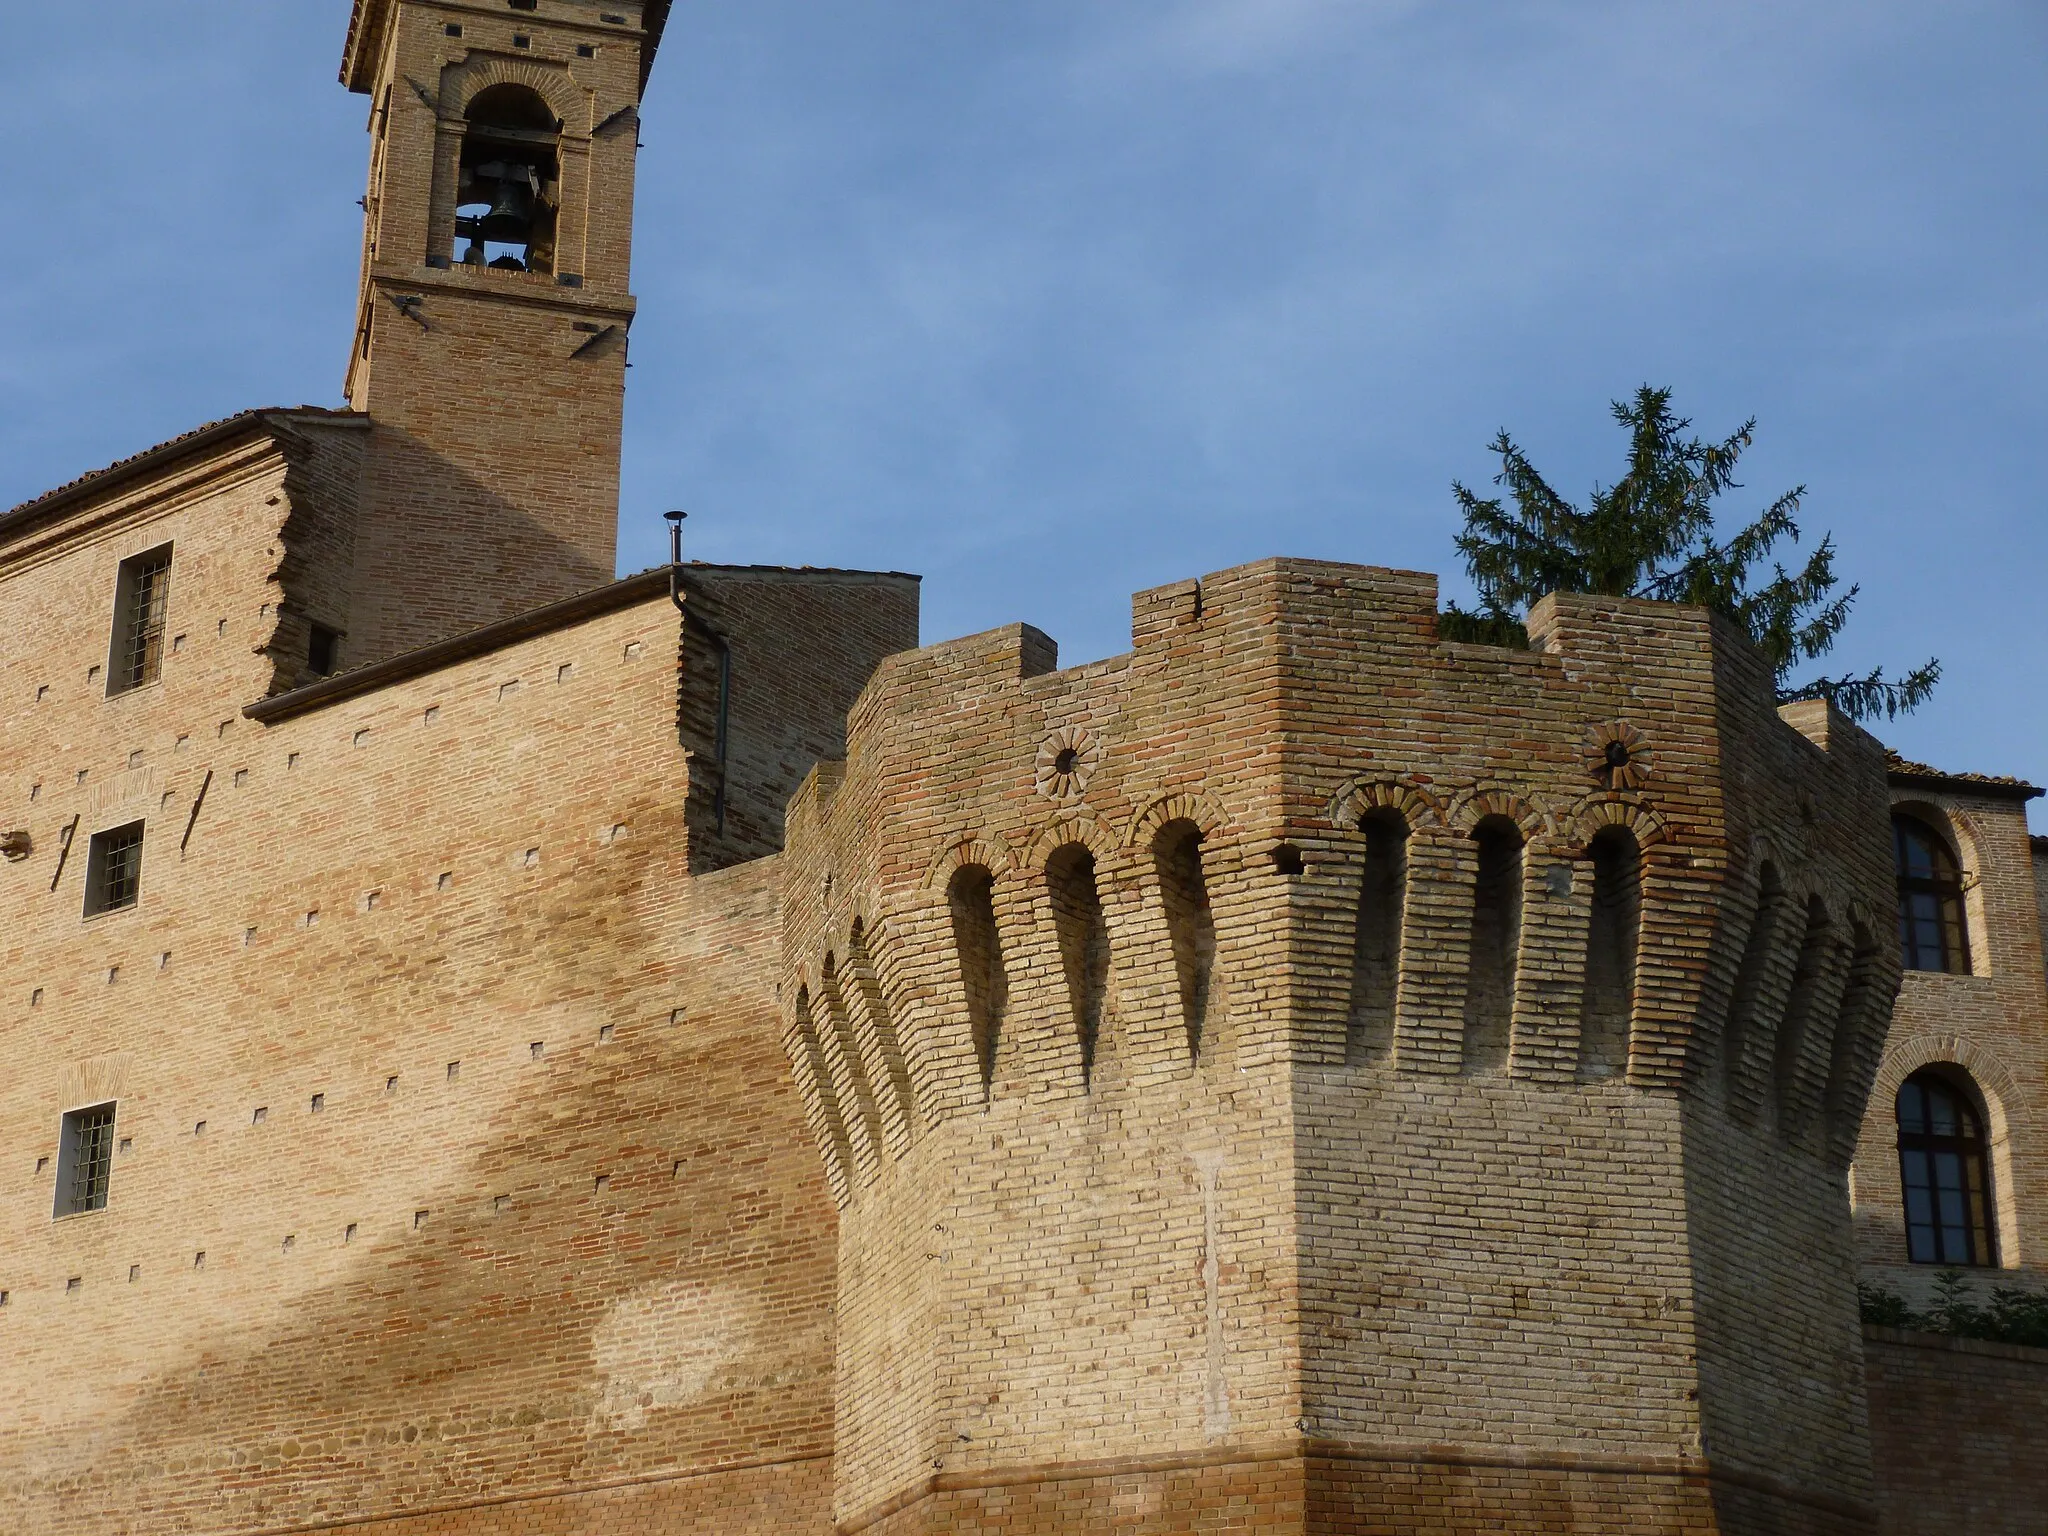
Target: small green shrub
(2013, 1316)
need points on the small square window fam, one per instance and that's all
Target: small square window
(521, 40)
(142, 602)
(524, 5)
(586, 51)
(85, 1160)
(113, 869)
(453, 29)
(323, 650)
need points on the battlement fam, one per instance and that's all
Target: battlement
(1388, 969)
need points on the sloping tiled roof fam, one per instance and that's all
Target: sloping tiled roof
(1905, 771)
(188, 442)
(369, 18)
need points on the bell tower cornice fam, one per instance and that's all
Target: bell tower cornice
(369, 28)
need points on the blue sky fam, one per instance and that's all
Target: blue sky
(1051, 300)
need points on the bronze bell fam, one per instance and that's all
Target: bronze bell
(510, 221)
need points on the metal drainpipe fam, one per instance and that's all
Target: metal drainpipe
(723, 646)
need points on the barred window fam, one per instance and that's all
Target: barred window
(142, 601)
(85, 1160)
(113, 869)
(1942, 1167)
(1931, 932)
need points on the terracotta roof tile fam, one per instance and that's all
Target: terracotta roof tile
(226, 426)
(1902, 768)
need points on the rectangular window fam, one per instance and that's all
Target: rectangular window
(85, 1160)
(142, 601)
(323, 650)
(113, 869)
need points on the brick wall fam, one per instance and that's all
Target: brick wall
(1992, 1023)
(1955, 1425)
(1242, 1222)
(460, 1178)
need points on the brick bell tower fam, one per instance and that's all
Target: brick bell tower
(493, 311)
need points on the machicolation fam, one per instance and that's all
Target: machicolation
(1405, 981)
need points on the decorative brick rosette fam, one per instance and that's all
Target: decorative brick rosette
(1620, 756)
(1067, 760)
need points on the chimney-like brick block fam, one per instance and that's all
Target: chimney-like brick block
(1243, 1253)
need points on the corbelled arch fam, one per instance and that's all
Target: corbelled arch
(1179, 805)
(962, 850)
(1596, 812)
(1358, 798)
(1063, 829)
(1473, 806)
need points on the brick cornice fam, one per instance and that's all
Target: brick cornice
(625, 593)
(644, 587)
(582, 301)
(370, 22)
(199, 458)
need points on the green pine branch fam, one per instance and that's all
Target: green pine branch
(1651, 534)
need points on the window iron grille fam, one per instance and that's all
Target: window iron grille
(87, 1160)
(114, 869)
(145, 600)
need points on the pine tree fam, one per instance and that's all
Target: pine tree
(1651, 534)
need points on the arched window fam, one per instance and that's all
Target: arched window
(1931, 932)
(510, 183)
(1943, 1169)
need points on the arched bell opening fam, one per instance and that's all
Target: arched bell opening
(508, 192)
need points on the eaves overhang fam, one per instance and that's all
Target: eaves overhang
(369, 23)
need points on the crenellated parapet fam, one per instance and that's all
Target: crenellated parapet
(1370, 1008)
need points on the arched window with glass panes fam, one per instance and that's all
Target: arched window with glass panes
(1945, 1170)
(1932, 934)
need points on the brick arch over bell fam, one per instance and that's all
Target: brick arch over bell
(462, 83)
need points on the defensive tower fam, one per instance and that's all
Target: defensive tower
(494, 305)
(1304, 1075)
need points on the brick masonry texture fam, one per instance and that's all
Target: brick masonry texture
(423, 1036)
(1248, 1217)
(1956, 1426)
(662, 1056)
